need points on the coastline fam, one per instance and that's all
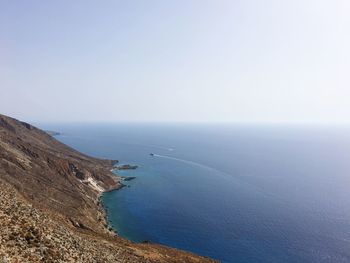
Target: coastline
(64, 187)
(100, 201)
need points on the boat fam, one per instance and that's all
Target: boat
(152, 154)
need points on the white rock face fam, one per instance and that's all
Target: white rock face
(94, 184)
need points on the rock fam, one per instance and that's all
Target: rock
(53, 133)
(129, 178)
(126, 167)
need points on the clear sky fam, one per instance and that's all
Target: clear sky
(190, 60)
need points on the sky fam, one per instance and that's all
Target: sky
(175, 61)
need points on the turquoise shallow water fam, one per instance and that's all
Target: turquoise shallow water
(235, 193)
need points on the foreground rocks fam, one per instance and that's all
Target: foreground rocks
(31, 235)
(49, 204)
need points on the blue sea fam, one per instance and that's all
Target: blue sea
(236, 193)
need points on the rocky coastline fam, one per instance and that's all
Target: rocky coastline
(50, 195)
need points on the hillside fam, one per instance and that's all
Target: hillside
(50, 209)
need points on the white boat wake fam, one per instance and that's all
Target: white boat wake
(187, 161)
(221, 173)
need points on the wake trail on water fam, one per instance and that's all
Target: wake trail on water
(222, 173)
(187, 161)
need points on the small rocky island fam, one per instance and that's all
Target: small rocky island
(53, 133)
(125, 167)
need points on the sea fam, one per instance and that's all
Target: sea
(238, 193)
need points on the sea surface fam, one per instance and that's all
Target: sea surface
(237, 193)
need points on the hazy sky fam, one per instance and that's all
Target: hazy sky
(248, 60)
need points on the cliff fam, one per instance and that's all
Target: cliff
(50, 209)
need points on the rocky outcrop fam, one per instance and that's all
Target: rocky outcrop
(53, 133)
(125, 167)
(50, 209)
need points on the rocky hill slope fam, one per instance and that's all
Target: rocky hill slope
(50, 209)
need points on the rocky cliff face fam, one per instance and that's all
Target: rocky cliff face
(53, 176)
(50, 210)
